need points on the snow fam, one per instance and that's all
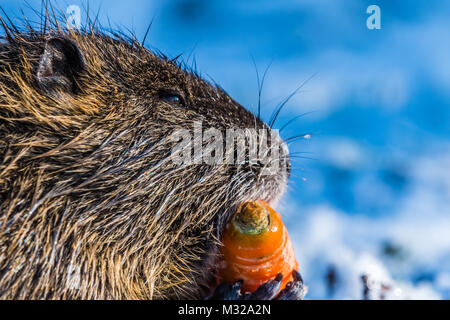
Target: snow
(407, 250)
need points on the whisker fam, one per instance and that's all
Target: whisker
(303, 157)
(295, 118)
(261, 88)
(260, 83)
(283, 103)
(302, 136)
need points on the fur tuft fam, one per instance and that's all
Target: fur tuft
(91, 205)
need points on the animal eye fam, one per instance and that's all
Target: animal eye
(173, 98)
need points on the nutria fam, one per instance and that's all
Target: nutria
(90, 205)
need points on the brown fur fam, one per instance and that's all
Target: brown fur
(91, 207)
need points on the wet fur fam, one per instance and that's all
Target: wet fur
(91, 205)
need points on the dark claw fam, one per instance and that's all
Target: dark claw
(297, 276)
(227, 291)
(266, 291)
(295, 290)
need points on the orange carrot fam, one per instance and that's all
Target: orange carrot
(256, 247)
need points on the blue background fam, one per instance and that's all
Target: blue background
(375, 173)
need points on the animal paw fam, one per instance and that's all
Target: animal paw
(294, 290)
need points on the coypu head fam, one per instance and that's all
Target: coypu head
(91, 205)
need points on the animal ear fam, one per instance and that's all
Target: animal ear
(60, 65)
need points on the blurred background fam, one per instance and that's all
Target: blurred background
(370, 189)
